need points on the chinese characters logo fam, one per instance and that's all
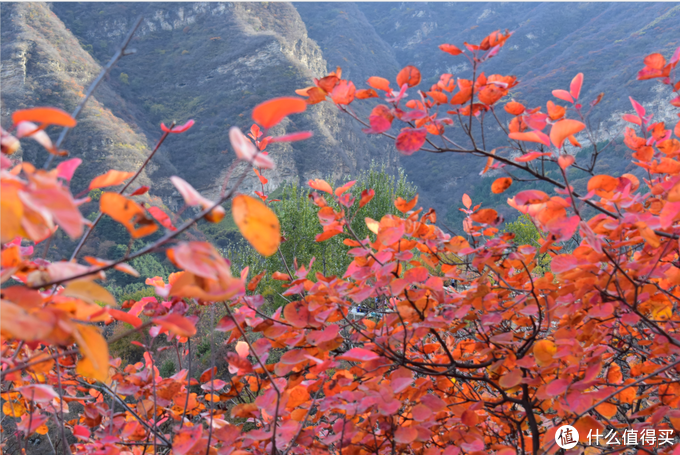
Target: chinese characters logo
(566, 437)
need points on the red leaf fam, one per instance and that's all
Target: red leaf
(140, 190)
(271, 112)
(179, 128)
(575, 87)
(410, 140)
(160, 216)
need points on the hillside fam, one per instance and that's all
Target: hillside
(214, 62)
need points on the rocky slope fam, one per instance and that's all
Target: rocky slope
(214, 62)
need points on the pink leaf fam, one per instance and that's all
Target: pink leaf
(676, 56)
(638, 107)
(29, 129)
(575, 87)
(563, 95)
(67, 168)
(359, 355)
(293, 137)
(530, 156)
(632, 119)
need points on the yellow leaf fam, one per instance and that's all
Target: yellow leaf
(11, 212)
(257, 223)
(13, 409)
(544, 350)
(88, 291)
(95, 350)
(372, 225)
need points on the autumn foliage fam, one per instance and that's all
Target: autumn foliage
(492, 363)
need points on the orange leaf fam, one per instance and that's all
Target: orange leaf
(467, 202)
(555, 112)
(563, 129)
(111, 178)
(501, 184)
(325, 235)
(257, 223)
(602, 184)
(321, 185)
(533, 136)
(176, 324)
(345, 187)
(44, 115)
(404, 206)
(125, 317)
(366, 93)
(450, 49)
(544, 350)
(484, 216)
(585, 425)
(410, 75)
(514, 108)
(271, 112)
(379, 83)
(575, 87)
(95, 350)
(655, 61)
(128, 213)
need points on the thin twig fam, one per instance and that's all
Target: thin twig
(100, 215)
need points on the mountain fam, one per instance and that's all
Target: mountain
(214, 62)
